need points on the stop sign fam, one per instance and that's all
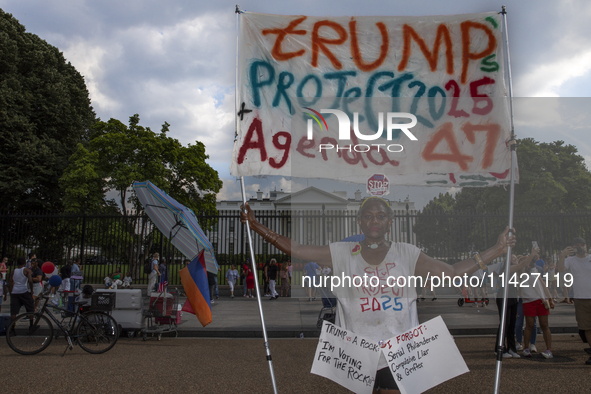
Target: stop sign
(378, 185)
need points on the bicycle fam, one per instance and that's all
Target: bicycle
(30, 333)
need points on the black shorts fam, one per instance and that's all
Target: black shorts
(385, 380)
(19, 300)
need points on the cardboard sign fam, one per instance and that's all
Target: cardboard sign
(346, 358)
(378, 185)
(423, 357)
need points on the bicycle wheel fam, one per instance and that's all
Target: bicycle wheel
(29, 334)
(97, 332)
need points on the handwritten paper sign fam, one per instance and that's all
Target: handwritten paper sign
(447, 71)
(346, 358)
(423, 357)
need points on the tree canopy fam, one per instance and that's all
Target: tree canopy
(44, 112)
(117, 155)
(552, 177)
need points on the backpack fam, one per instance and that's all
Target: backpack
(148, 267)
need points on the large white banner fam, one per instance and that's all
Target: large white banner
(328, 97)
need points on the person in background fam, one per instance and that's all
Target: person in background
(37, 276)
(250, 281)
(245, 268)
(3, 291)
(285, 282)
(578, 264)
(509, 346)
(232, 278)
(76, 277)
(211, 282)
(20, 286)
(86, 296)
(289, 270)
(3, 267)
(127, 280)
(520, 321)
(311, 270)
(550, 271)
(163, 269)
(154, 274)
(424, 294)
(31, 257)
(216, 291)
(536, 303)
(66, 273)
(272, 271)
(266, 290)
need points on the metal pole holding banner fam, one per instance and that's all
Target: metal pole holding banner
(248, 232)
(501, 337)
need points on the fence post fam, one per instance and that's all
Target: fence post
(322, 226)
(83, 235)
(5, 233)
(408, 239)
(485, 230)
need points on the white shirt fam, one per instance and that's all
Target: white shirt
(378, 313)
(529, 292)
(580, 268)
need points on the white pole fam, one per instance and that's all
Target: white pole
(249, 234)
(511, 207)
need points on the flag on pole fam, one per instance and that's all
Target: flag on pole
(162, 286)
(194, 281)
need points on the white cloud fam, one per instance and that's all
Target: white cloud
(546, 79)
(230, 190)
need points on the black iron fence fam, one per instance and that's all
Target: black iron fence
(105, 243)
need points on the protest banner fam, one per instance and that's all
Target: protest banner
(326, 96)
(346, 358)
(423, 357)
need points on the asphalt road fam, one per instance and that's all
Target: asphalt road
(203, 365)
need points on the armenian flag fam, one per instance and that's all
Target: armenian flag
(194, 281)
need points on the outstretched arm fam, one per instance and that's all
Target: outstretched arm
(284, 244)
(428, 265)
(563, 255)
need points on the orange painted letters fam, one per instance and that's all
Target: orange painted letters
(277, 53)
(318, 42)
(455, 156)
(356, 54)
(466, 54)
(432, 57)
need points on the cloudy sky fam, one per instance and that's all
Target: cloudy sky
(174, 61)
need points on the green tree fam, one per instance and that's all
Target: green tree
(552, 177)
(117, 155)
(44, 112)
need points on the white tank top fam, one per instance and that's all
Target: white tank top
(381, 312)
(21, 283)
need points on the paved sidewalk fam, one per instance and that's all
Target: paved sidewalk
(209, 365)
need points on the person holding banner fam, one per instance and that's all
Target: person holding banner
(393, 308)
